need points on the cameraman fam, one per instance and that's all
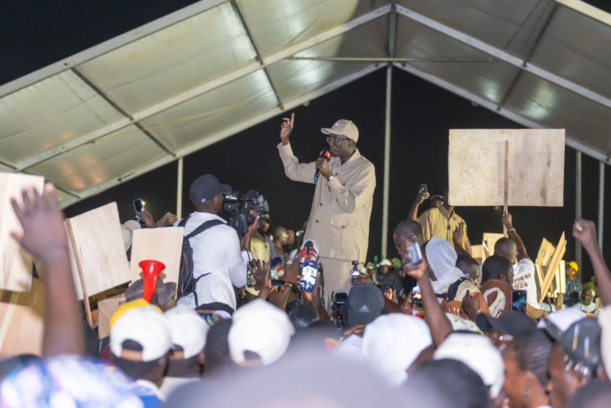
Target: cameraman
(218, 263)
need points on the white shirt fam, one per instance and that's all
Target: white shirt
(216, 251)
(170, 384)
(524, 279)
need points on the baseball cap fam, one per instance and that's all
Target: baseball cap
(511, 323)
(460, 324)
(127, 232)
(436, 197)
(392, 343)
(144, 325)
(343, 127)
(573, 265)
(581, 342)
(385, 262)
(604, 319)
(187, 329)
(206, 187)
(562, 319)
(365, 302)
(479, 354)
(260, 328)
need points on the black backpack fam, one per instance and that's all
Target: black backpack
(186, 281)
(452, 290)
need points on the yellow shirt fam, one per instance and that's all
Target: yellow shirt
(441, 223)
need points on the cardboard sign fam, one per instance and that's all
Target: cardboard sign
(159, 244)
(21, 321)
(535, 167)
(106, 308)
(15, 263)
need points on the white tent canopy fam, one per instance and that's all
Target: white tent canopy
(213, 69)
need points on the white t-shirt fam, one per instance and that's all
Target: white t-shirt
(524, 279)
(216, 252)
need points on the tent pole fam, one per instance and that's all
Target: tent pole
(601, 202)
(578, 202)
(386, 163)
(179, 188)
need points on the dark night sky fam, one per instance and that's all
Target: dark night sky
(36, 34)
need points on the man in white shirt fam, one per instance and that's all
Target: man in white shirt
(514, 250)
(217, 257)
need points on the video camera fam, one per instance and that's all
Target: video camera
(240, 206)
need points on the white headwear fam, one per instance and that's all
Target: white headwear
(392, 343)
(442, 258)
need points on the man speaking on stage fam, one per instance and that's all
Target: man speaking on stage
(341, 209)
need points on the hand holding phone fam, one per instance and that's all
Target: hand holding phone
(308, 276)
(138, 206)
(277, 270)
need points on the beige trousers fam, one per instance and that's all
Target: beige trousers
(336, 277)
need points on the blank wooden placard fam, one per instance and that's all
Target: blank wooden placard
(489, 241)
(546, 251)
(15, 263)
(476, 166)
(98, 249)
(159, 244)
(106, 308)
(478, 253)
(553, 265)
(21, 321)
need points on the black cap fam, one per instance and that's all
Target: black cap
(581, 341)
(511, 323)
(206, 187)
(365, 302)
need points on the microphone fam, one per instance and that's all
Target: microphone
(324, 154)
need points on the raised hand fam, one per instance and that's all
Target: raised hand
(584, 231)
(286, 128)
(44, 234)
(422, 195)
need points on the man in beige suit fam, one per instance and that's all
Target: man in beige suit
(341, 209)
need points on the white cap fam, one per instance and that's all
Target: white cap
(604, 319)
(260, 328)
(385, 262)
(146, 326)
(479, 354)
(127, 232)
(460, 324)
(343, 127)
(188, 329)
(562, 319)
(392, 343)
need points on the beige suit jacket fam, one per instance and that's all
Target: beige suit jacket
(341, 209)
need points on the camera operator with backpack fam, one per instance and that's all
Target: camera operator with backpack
(219, 264)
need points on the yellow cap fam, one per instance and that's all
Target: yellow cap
(574, 265)
(125, 307)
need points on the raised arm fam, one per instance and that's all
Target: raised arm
(420, 197)
(433, 313)
(44, 236)
(294, 170)
(513, 234)
(584, 231)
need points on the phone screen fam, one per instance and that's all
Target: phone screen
(138, 205)
(414, 254)
(416, 296)
(519, 301)
(250, 278)
(277, 270)
(308, 276)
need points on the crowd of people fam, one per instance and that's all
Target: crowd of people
(429, 328)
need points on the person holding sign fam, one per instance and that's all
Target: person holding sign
(514, 250)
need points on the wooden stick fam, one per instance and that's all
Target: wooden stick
(553, 265)
(506, 184)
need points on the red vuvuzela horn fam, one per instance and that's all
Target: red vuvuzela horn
(150, 272)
